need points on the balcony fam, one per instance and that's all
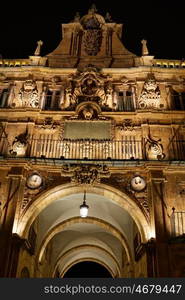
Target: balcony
(87, 149)
(91, 149)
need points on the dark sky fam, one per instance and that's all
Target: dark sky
(161, 22)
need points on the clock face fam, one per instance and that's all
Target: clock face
(34, 181)
(138, 183)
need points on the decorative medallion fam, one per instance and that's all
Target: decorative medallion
(138, 183)
(34, 181)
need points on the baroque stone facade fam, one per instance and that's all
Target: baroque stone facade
(91, 117)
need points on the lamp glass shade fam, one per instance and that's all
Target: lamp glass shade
(84, 210)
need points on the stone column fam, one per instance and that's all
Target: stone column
(10, 244)
(160, 220)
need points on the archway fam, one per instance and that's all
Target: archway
(109, 192)
(112, 217)
(87, 269)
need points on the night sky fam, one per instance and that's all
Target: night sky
(161, 23)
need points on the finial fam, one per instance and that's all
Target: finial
(77, 17)
(108, 18)
(93, 9)
(37, 51)
(144, 48)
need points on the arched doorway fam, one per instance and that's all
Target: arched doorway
(64, 238)
(87, 269)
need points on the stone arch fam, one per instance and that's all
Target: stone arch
(115, 195)
(85, 247)
(90, 220)
(88, 259)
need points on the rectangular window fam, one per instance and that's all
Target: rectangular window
(178, 100)
(125, 101)
(4, 94)
(52, 100)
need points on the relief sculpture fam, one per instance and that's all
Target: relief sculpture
(28, 95)
(150, 96)
(89, 85)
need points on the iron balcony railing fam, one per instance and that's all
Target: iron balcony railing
(177, 223)
(128, 149)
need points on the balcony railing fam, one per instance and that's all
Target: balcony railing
(87, 149)
(127, 149)
(177, 223)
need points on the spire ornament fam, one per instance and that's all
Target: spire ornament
(37, 51)
(108, 18)
(77, 17)
(144, 48)
(92, 10)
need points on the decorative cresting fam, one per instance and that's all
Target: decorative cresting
(85, 174)
(28, 95)
(154, 149)
(92, 37)
(88, 85)
(150, 96)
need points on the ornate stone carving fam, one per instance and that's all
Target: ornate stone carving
(19, 145)
(48, 124)
(127, 125)
(92, 41)
(154, 149)
(150, 96)
(48, 181)
(88, 112)
(142, 198)
(89, 85)
(28, 95)
(123, 183)
(85, 174)
(109, 95)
